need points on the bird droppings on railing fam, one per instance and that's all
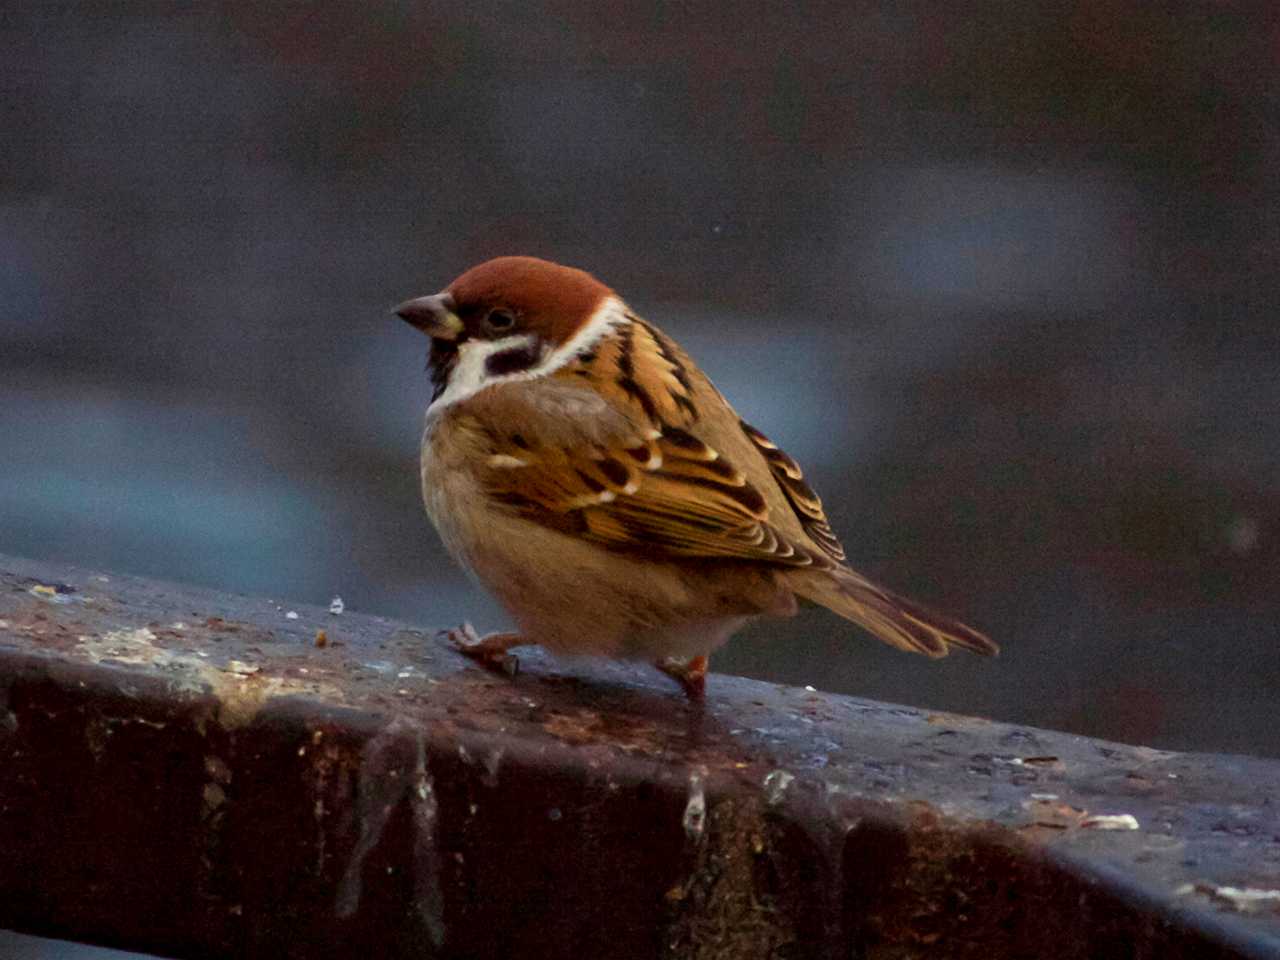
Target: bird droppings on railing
(1110, 821)
(239, 686)
(385, 778)
(775, 785)
(190, 773)
(695, 808)
(1245, 899)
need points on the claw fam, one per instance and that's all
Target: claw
(490, 651)
(463, 636)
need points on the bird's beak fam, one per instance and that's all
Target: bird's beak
(432, 315)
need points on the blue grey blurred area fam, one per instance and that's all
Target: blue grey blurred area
(1003, 278)
(16, 946)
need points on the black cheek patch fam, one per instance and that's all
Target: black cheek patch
(512, 361)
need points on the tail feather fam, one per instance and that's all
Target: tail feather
(897, 621)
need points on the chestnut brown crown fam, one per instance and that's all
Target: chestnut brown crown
(510, 295)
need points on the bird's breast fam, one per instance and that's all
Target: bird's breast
(450, 492)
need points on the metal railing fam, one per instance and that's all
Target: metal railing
(202, 775)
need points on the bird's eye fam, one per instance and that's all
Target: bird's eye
(500, 320)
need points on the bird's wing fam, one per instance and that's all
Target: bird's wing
(644, 371)
(568, 458)
(806, 504)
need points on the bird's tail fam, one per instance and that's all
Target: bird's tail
(896, 620)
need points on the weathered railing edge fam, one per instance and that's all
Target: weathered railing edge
(1246, 935)
(856, 812)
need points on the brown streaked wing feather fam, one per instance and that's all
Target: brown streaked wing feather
(660, 369)
(619, 485)
(951, 632)
(641, 370)
(806, 504)
(896, 620)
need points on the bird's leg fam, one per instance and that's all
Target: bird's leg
(489, 651)
(691, 674)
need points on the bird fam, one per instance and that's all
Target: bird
(581, 466)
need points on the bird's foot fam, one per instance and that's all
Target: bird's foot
(490, 651)
(690, 674)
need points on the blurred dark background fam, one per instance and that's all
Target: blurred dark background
(1002, 276)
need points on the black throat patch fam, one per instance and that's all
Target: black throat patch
(440, 362)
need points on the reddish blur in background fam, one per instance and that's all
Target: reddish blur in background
(1002, 276)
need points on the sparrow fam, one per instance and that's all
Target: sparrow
(583, 468)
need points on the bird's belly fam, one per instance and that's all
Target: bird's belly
(576, 597)
(690, 638)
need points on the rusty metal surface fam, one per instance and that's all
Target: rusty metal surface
(190, 774)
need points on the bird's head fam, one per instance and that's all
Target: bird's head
(506, 317)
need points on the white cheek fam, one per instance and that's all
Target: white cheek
(469, 374)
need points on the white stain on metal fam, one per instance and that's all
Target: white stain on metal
(428, 898)
(241, 688)
(695, 809)
(775, 785)
(382, 785)
(1110, 821)
(1243, 899)
(491, 764)
(1247, 899)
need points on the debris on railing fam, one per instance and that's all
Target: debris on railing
(197, 774)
